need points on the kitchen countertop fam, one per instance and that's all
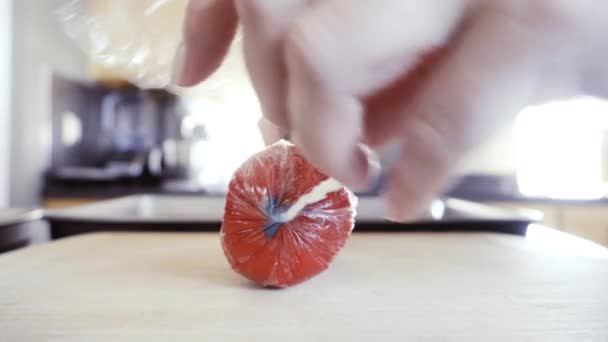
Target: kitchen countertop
(548, 286)
(57, 189)
(477, 188)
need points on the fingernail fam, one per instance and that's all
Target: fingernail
(388, 154)
(381, 162)
(359, 178)
(377, 179)
(392, 213)
(178, 75)
(397, 210)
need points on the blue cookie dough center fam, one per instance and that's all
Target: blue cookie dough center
(273, 211)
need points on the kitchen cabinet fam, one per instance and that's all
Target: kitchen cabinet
(61, 203)
(586, 219)
(590, 222)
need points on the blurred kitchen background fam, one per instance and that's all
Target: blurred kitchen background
(85, 116)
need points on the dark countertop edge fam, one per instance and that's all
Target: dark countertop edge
(476, 188)
(88, 192)
(84, 193)
(530, 200)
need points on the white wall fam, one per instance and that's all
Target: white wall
(5, 97)
(39, 46)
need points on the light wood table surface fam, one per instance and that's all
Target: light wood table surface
(382, 287)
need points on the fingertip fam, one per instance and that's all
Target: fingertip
(398, 199)
(403, 204)
(178, 74)
(208, 30)
(397, 208)
(191, 65)
(350, 167)
(360, 169)
(418, 174)
(270, 132)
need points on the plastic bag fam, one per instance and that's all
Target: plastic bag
(284, 221)
(135, 40)
(132, 40)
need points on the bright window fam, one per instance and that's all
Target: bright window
(559, 149)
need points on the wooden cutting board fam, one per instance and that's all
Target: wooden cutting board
(382, 287)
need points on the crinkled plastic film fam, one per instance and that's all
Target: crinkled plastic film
(133, 40)
(266, 241)
(136, 40)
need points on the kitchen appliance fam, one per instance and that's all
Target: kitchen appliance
(204, 213)
(109, 131)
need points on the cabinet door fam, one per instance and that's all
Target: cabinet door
(62, 203)
(588, 222)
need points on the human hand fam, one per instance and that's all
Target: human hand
(434, 77)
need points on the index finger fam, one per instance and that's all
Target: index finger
(209, 27)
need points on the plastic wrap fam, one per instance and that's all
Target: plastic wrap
(132, 40)
(284, 221)
(136, 41)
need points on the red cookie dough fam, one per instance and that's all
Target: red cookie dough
(268, 235)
